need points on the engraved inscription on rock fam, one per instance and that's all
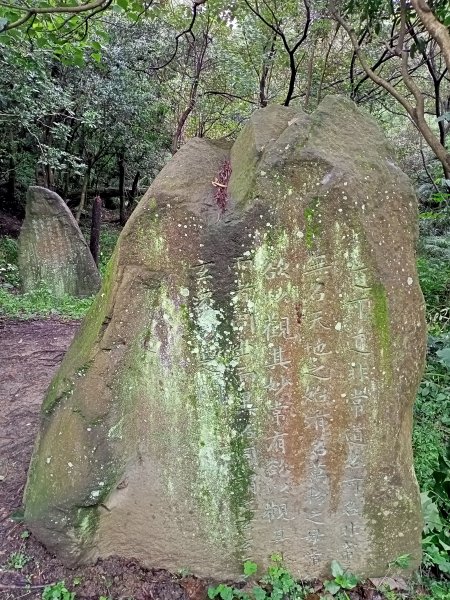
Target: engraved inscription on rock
(250, 369)
(53, 251)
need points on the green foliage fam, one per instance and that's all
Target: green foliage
(225, 592)
(62, 34)
(17, 560)
(369, 10)
(276, 584)
(108, 241)
(57, 591)
(343, 580)
(9, 271)
(436, 540)
(431, 426)
(401, 562)
(41, 303)
(250, 568)
(434, 276)
(431, 433)
(279, 582)
(438, 590)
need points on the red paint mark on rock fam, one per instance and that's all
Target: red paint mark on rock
(221, 185)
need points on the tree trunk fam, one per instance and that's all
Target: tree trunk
(435, 28)
(134, 186)
(106, 193)
(176, 140)
(11, 186)
(269, 52)
(66, 181)
(96, 223)
(86, 179)
(49, 176)
(121, 165)
(133, 193)
(310, 76)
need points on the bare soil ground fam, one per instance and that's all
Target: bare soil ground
(30, 352)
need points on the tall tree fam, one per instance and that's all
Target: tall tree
(407, 37)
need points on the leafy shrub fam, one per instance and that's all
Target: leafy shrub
(343, 580)
(9, 271)
(431, 434)
(17, 560)
(432, 421)
(436, 540)
(434, 276)
(439, 590)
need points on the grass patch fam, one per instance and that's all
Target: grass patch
(41, 302)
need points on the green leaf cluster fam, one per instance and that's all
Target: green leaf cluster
(343, 580)
(436, 540)
(57, 591)
(276, 584)
(431, 433)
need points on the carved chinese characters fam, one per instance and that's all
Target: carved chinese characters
(268, 389)
(249, 372)
(53, 252)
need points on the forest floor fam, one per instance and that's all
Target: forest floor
(30, 352)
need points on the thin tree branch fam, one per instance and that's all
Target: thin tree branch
(374, 76)
(416, 112)
(426, 168)
(227, 95)
(195, 6)
(31, 12)
(434, 27)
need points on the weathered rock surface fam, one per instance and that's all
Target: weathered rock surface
(243, 384)
(53, 251)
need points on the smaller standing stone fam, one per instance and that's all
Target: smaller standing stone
(52, 249)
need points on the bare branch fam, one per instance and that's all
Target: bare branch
(417, 111)
(275, 26)
(195, 6)
(373, 76)
(228, 96)
(434, 27)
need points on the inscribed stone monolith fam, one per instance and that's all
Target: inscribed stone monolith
(244, 383)
(53, 251)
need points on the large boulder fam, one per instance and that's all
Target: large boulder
(52, 249)
(244, 382)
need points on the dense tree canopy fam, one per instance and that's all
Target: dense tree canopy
(96, 95)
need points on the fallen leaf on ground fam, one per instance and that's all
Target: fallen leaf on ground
(393, 583)
(194, 588)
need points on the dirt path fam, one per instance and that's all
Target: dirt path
(30, 352)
